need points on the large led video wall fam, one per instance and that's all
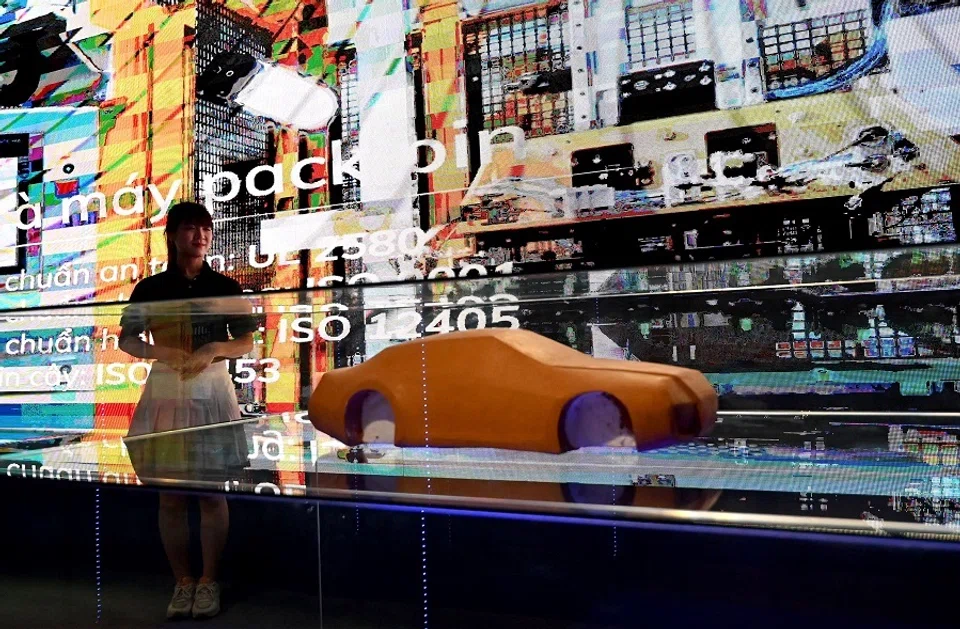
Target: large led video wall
(345, 142)
(366, 141)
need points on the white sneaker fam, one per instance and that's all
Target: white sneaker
(182, 602)
(206, 603)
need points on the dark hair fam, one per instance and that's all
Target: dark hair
(184, 213)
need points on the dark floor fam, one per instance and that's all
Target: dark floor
(39, 604)
(482, 573)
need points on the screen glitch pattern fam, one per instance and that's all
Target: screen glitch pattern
(800, 52)
(690, 150)
(506, 50)
(659, 34)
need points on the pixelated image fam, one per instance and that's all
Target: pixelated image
(762, 190)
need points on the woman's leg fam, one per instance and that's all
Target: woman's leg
(214, 526)
(175, 533)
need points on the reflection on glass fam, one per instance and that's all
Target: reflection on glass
(189, 386)
(816, 361)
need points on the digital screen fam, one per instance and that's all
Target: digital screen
(765, 192)
(851, 356)
(659, 33)
(707, 131)
(9, 235)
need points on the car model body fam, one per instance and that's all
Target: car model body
(510, 389)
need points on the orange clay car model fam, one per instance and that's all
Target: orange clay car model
(511, 389)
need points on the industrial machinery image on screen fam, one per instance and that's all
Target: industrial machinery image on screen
(580, 157)
(510, 389)
(504, 136)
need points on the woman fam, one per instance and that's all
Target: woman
(189, 385)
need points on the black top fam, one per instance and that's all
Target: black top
(194, 319)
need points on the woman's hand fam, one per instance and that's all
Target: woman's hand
(198, 361)
(172, 357)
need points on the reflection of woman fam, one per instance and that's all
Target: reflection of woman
(189, 385)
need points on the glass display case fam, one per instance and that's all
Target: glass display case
(580, 313)
(836, 434)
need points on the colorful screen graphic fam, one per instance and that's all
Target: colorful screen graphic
(847, 363)
(350, 142)
(363, 142)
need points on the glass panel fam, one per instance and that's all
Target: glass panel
(834, 376)
(262, 556)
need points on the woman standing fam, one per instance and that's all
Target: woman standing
(189, 385)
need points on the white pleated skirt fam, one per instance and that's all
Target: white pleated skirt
(170, 404)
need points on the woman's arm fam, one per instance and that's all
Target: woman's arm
(236, 312)
(230, 349)
(133, 322)
(203, 357)
(239, 325)
(138, 348)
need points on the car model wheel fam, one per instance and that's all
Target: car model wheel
(596, 419)
(370, 418)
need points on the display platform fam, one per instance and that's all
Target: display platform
(762, 483)
(836, 377)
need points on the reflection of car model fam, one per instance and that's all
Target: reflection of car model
(500, 492)
(511, 389)
(253, 409)
(358, 454)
